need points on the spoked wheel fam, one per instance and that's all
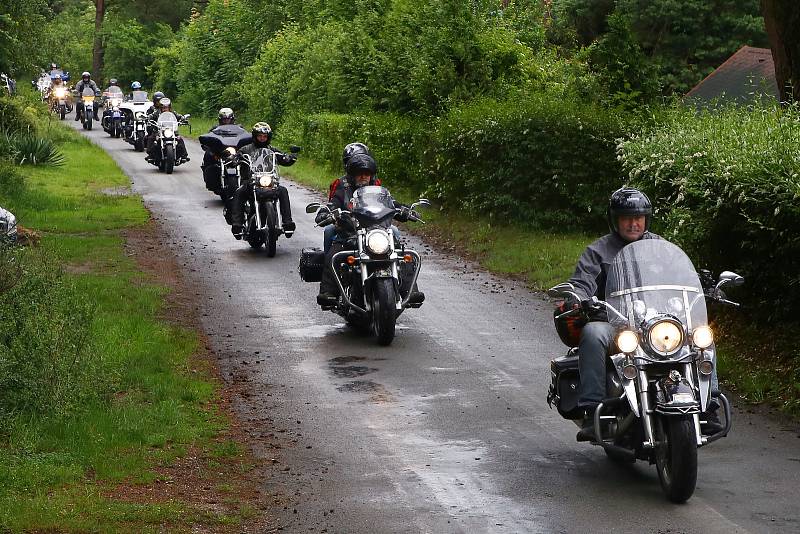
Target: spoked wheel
(254, 238)
(272, 229)
(676, 457)
(383, 310)
(169, 159)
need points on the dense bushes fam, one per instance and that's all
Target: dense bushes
(45, 355)
(540, 160)
(727, 185)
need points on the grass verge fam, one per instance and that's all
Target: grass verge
(142, 402)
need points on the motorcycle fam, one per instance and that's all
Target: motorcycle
(134, 123)
(113, 120)
(224, 140)
(261, 225)
(166, 141)
(375, 277)
(9, 84)
(659, 382)
(86, 113)
(59, 100)
(42, 84)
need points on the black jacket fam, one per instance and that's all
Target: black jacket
(591, 272)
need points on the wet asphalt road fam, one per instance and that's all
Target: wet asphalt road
(447, 430)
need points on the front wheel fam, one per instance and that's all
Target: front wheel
(383, 310)
(676, 457)
(62, 111)
(271, 237)
(138, 145)
(169, 159)
(88, 123)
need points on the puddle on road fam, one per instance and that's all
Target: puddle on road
(341, 368)
(315, 331)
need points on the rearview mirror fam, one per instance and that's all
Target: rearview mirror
(186, 116)
(294, 149)
(421, 202)
(730, 277)
(313, 207)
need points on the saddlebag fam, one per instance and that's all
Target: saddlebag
(564, 386)
(312, 262)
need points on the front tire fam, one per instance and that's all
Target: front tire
(62, 111)
(88, 123)
(676, 457)
(169, 159)
(383, 310)
(138, 145)
(271, 237)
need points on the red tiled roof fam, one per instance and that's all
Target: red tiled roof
(748, 72)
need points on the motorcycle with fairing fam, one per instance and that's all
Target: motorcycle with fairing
(261, 225)
(222, 142)
(113, 120)
(134, 111)
(60, 100)
(86, 112)
(166, 141)
(658, 380)
(374, 274)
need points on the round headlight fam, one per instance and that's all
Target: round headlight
(665, 337)
(139, 115)
(378, 242)
(627, 341)
(265, 180)
(168, 132)
(702, 337)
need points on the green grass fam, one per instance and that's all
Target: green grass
(542, 259)
(53, 466)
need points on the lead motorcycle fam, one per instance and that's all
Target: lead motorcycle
(166, 141)
(86, 113)
(261, 226)
(375, 277)
(659, 383)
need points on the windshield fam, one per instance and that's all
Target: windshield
(262, 161)
(168, 120)
(372, 204)
(87, 91)
(139, 96)
(652, 277)
(114, 92)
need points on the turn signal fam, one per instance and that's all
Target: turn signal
(705, 367)
(407, 258)
(351, 260)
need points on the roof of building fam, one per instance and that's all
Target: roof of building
(745, 75)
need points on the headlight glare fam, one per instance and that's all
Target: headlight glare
(627, 341)
(168, 132)
(378, 242)
(702, 337)
(665, 337)
(265, 180)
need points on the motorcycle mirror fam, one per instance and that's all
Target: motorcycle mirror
(730, 277)
(313, 207)
(186, 116)
(560, 290)
(421, 202)
(294, 149)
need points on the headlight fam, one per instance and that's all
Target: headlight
(265, 180)
(702, 337)
(378, 242)
(60, 92)
(665, 336)
(139, 116)
(168, 132)
(627, 341)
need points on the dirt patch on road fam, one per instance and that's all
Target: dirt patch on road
(223, 482)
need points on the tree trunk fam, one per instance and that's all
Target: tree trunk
(98, 50)
(782, 22)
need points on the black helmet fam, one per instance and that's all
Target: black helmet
(351, 150)
(226, 116)
(113, 81)
(628, 201)
(158, 95)
(359, 164)
(264, 129)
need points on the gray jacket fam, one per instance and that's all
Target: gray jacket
(591, 272)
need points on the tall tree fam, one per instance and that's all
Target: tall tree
(782, 21)
(97, 54)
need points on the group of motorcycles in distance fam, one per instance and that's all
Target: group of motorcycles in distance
(124, 116)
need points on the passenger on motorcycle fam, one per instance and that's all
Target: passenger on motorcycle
(164, 105)
(629, 212)
(86, 81)
(262, 135)
(226, 128)
(360, 171)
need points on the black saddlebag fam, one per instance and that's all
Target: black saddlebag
(564, 386)
(312, 262)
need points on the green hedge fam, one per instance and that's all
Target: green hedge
(541, 160)
(727, 188)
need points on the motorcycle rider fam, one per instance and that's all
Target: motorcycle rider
(226, 128)
(361, 170)
(164, 105)
(136, 92)
(86, 81)
(262, 135)
(629, 213)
